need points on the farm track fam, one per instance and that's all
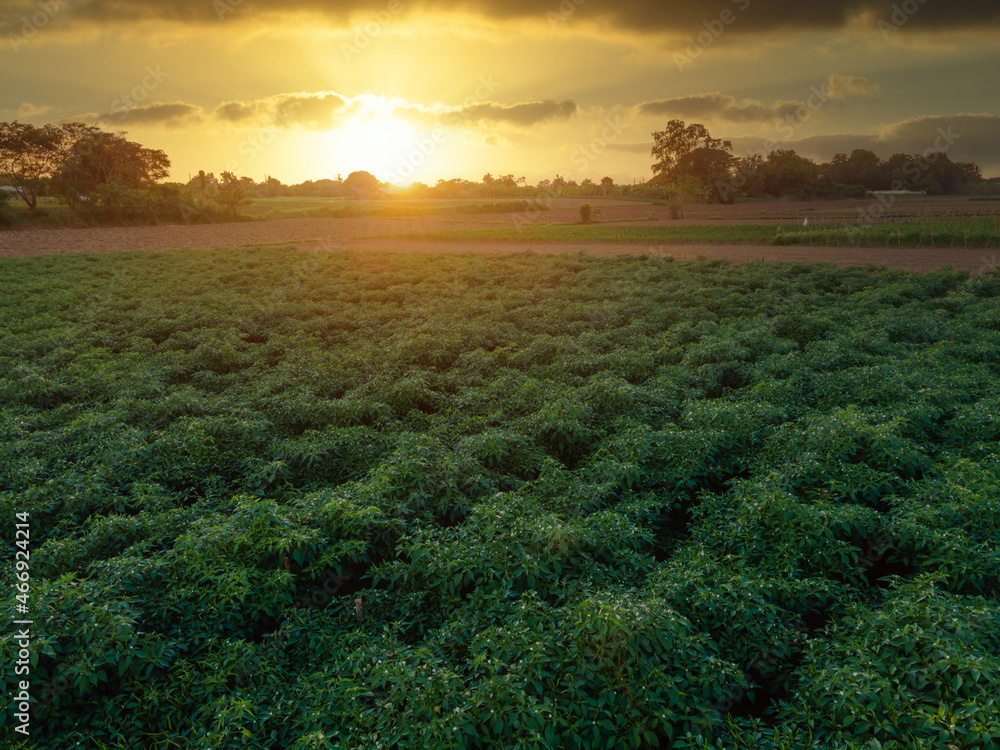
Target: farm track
(338, 234)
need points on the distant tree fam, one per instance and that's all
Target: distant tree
(232, 196)
(362, 181)
(204, 182)
(677, 142)
(864, 168)
(272, 186)
(683, 149)
(607, 183)
(28, 154)
(787, 173)
(748, 175)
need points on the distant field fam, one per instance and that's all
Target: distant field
(960, 232)
(261, 206)
(290, 208)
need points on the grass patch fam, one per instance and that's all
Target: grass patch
(268, 209)
(959, 232)
(605, 233)
(945, 232)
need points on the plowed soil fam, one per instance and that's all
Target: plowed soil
(362, 234)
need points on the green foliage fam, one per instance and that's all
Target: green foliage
(6, 217)
(301, 500)
(966, 232)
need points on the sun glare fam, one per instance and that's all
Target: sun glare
(375, 142)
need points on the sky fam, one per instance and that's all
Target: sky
(425, 90)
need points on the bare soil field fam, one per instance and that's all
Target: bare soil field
(363, 234)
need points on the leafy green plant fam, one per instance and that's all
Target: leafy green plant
(280, 498)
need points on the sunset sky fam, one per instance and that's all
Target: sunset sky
(307, 89)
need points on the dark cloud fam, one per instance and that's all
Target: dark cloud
(523, 114)
(718, 107)
(726, 108)
(167, 114)
(527, 113)
(684, 16)
(325, 110)
(317, 111)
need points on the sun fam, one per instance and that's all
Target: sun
(376, 142)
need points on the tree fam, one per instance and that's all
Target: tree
(787, 173)
(204, 182)
(362, 180)
(96, 158)
(672, 145)
(232, 196)
(690, 150)
(27, 155)
(864, 168)
(607, 183)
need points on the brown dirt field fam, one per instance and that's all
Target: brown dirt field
(351, 233)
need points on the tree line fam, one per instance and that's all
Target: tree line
(106, 178)
(689, 161)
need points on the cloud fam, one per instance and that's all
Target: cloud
(27, 111)
(316, 111)
(642, 16)
(479, 113)
(718, 107)
(166, 114)
(325, 110)
(843, 87)
(726, 108)
(522, 115)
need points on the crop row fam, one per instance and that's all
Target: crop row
(301, 500)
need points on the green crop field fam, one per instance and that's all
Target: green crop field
(937, 232)
(290, 500)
